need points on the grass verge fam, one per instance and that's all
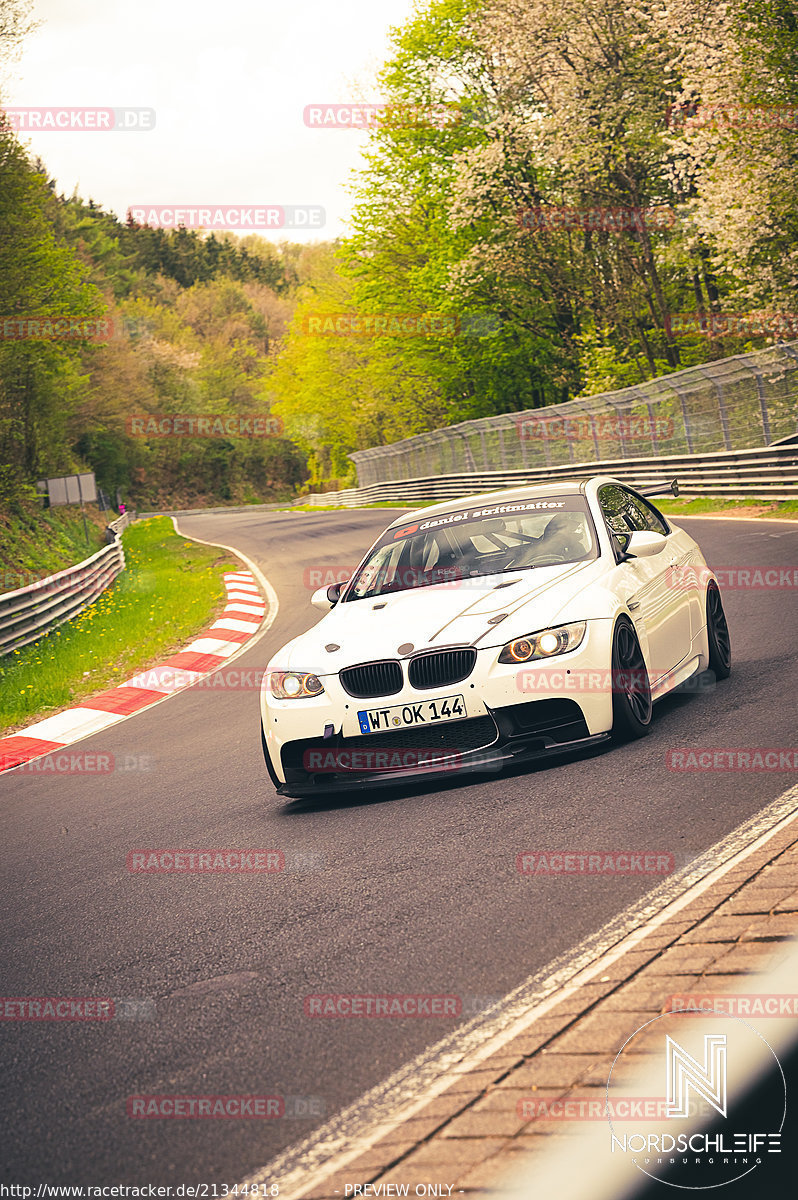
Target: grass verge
(170, 590)
(711, 505)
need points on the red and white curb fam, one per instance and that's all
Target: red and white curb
(240, 621)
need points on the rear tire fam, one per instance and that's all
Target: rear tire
(718, 635)
(631, 692)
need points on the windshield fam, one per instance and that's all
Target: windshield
(472, 543)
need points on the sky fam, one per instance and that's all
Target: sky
(229, 84)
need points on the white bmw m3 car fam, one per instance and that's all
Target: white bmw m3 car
(492, 630)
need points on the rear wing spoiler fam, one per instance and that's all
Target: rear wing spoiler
(661, 489)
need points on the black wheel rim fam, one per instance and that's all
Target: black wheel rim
(632, 677)
(718, 626)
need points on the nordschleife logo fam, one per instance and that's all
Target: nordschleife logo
(707, 1080)
(700, 1073)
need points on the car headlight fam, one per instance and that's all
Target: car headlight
(294, 685)
(545, 644)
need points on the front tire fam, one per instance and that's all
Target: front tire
(631, 692)
(718, 635)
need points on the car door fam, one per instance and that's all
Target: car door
(659, 610)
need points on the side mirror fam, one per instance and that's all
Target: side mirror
(644, 544)
(325, 598)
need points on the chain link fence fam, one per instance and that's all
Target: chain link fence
(737, 403)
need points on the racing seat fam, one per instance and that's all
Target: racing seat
(564, 537)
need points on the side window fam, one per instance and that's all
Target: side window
(626, 513)
(621, 518)
(647, 513)
(380, 571)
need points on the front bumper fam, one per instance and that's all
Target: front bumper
(516, 714)
(482, 745)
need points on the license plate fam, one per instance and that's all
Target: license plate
(404, 716)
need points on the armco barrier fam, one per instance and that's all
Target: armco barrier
(114, 528)
(768, 472)
(32, 611)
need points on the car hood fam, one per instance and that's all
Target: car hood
(489, 613)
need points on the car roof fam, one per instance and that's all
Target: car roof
(562, 487)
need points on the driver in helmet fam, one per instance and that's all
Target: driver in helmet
(565, 536)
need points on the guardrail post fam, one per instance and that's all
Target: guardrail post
(519, 430)
(688, 437)
(594, 435)
(619, 419)
(722, 413)
(652, 428)
(546, 448)
(468, 457)
(763, 407)
(484, 449)
(502, 448)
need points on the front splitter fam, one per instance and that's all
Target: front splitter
(480, 762)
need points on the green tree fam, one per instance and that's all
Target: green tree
(41, 381)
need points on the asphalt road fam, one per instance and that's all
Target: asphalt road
(412, 891)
